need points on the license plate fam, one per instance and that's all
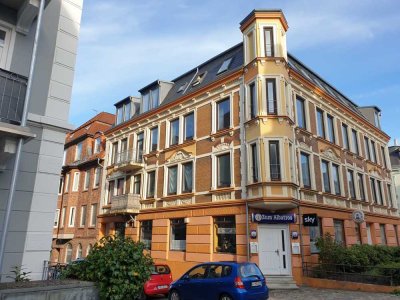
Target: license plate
(160, 287)
(256, 283)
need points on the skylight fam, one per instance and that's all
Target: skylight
(199, 79)
(225, 65)
(182, 87)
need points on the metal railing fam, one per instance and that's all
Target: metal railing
(128, 156)
(353, 273)
(125, 202)
(12, 96)
(52, 270)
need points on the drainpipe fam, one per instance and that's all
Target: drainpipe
(20, 141)
(243, 165)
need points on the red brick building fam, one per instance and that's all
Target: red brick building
(75, 223)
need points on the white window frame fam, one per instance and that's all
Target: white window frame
(246, 43)
(352, 146)
(83, 216)
(75, 184)
(281, 157)
(312, 168)
(66, 183)
(181, 123)
(250, 161)
(355, 183)
(132, 183)
(98, 175)
(97, 144)
(145, 187)
(149, 139)
(56, 218)
(331, 183)
(61, 185)
(86, 183)
(261, 27)
(214, 112)
(248, 97)
(78, 154)
(357, 186)
(62, 220)
(214, 166)
(93, 211)
(9, 43)
(179, 176)
(306, 111)
(72, 216)
(264, 105)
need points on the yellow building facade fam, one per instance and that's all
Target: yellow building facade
(249, 156)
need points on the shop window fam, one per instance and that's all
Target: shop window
(315, 233)
(146, 230)
(225, 234)
(178, 235)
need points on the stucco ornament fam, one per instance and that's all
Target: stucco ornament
(180, 155)
(330, 154)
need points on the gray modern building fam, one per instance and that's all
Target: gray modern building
(36, 76)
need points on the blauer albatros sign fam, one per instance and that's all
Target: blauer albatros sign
(273, 218)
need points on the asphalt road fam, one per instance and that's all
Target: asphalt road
(321, 294)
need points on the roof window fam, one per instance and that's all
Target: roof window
(182, 87)
(199, 79)
(225, 65)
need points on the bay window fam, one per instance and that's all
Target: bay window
(269, 42)
(272, 107)
(274, 160)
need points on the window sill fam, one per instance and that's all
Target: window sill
(309, 190)
(334, 195)
(222, 132)
(304, 130)
(173, 147)
(222, 190)
(177, 250)
(185, 195)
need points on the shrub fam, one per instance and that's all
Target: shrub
(118, 265)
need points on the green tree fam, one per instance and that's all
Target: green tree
(118, 266)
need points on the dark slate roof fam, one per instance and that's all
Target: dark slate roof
(209, 67)
(312, 76)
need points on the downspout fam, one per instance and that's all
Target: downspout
(20, 142)
(243, 165)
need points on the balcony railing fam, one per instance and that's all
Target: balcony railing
(129, 203)
(128, 160)
(12, 96)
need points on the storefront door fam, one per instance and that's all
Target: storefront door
(274, 251)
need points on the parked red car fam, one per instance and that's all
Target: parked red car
(159, 281)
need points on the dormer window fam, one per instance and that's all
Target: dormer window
(124, 112)
(377, 116)
(225, 65)
(150, 99)
(199, 79)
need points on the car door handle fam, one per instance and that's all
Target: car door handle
(277, 251)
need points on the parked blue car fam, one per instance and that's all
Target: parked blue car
(221, 281)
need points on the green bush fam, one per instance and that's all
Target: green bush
(117, 265)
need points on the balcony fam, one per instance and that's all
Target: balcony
(12, 96)
(128, 203)
(129, 160)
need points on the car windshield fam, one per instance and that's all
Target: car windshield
(159, 270)
(250, 270)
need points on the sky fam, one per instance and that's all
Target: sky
(126, 44)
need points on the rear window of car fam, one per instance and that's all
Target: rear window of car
(249, 270)
(159, 270)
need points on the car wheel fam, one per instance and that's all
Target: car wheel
(174, 295)
(225, 297)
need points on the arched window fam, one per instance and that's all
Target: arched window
(88, 249)
(68, 256)
(79, 251)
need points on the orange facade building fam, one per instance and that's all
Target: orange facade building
(75, 224)
(248, 156)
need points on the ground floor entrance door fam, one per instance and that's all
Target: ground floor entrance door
(274, 249)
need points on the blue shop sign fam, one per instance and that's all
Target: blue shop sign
(273, 218)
